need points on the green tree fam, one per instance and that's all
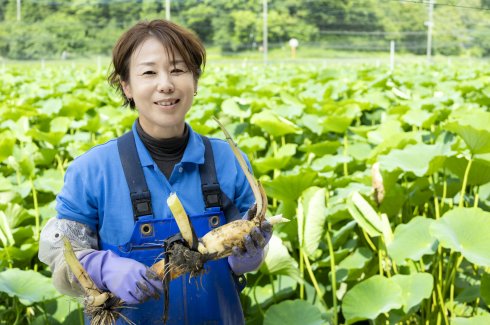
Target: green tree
(151, 9)
(199, 18)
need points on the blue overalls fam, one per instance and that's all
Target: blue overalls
(214, 297)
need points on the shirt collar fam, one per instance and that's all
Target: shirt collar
(194, 152)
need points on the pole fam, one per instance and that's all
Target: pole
(18, 10)
(264, 31)
(430, 24)
(392, 55)
(167, 9)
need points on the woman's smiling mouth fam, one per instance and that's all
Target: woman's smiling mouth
(167, 102)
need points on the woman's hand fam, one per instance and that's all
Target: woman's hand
(251, 256)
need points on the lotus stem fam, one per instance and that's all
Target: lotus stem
(465, 181)
(36, 210)
(333, 273)
(313, 279)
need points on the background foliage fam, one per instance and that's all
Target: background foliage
(84, 28)
(383, 174)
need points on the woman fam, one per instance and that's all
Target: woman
(113, 203)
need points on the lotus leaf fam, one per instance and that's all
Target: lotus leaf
(29, 286)
(290, 186)
(311, 219)
(415, 288)
(292, 313)
(412, 240)
(472, 126)
(273, 124)
(278, 261)
(370, 298)
(465, 230)
(419, 159)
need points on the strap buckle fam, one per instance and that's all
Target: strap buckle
(212, 195)
(141, 204)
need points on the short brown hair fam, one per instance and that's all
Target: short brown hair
(173, 37)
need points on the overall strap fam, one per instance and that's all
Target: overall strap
(133, 171)
(211, 191)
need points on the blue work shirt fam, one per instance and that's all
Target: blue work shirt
(95, 191)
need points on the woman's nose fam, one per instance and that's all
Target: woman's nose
(165, 84)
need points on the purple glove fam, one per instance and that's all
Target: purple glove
(250, 258)
(126, 278)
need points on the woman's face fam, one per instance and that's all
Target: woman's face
(162, 88)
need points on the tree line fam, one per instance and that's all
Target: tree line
(51, 28)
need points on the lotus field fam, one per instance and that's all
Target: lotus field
(385, 177)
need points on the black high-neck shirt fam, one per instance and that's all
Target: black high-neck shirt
(165, 152)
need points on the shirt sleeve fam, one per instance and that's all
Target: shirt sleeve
(77, 200)
(51, 247)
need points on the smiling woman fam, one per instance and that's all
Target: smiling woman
(113, 211)
(162, 88)
(158, 64)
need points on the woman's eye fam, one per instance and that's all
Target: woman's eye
(149, 72)
(177, 70)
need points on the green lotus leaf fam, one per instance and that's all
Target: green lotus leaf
(289, 186)
(7, 142)
(291, 100)
(352, 266)
(45, 157)
(412, 240)
(472, 126)
(51, 181)
(420, 159)
(415, 288)
(273, 124)
(479, 172)
(338, 124)
(475, 320)
(311, 122)
(321, 148)
(377, 98)
(60, 124)
(19, 128)
(251, 145)
(28, 286)
(290, 112)
(485, 288)
(359, 151)
(63, 310)
(338, 212)
(53, 138)
(284, 288)
(339, 115)
(51, 106)
(5, 184)
(341, 235)
(465, 230)
(364, 214)
(278, 261)
(278, 161)
(311, 219)
(468, 293)
(370, 298)
(76, 107)
(420, 118)
(18, 216)
(293, 312)
(231, 108)
(329, 162)
(396, 141)
(385, 131)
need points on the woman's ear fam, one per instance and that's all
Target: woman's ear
(126, 89)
